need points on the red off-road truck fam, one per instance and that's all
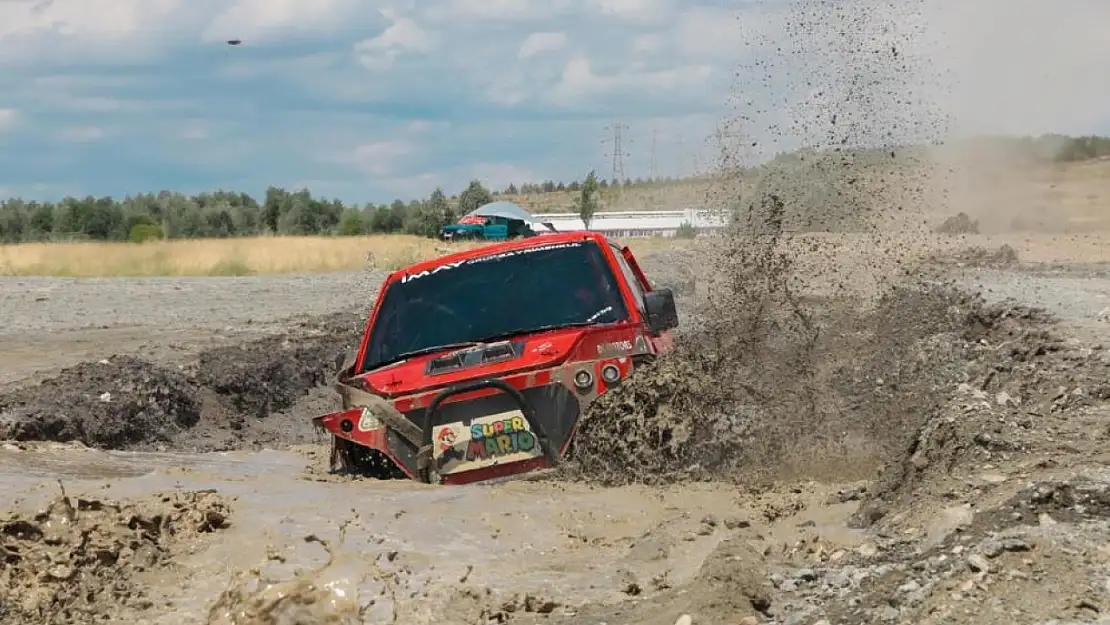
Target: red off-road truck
(478, 365)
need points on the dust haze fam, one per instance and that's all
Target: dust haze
(865, 419)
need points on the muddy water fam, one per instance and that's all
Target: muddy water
(554, 541)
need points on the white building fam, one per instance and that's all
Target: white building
(639, 223)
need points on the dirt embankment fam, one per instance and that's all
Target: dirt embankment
(230, 397)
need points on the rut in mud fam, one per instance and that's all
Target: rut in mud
(222, 401)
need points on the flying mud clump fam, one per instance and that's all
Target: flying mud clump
(75, 561)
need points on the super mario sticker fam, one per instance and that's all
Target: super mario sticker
(446, 439)
(500, 438)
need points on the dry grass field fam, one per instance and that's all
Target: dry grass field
(214, 257)
(232, 257)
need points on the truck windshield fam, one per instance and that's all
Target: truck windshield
(495, 296)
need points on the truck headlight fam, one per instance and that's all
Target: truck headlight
(611, 374)
(583, 379)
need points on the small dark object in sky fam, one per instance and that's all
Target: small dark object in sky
(234, 42)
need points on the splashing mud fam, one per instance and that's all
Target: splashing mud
(820, 346)
(812, 355)
(326, 595)
(76, 561)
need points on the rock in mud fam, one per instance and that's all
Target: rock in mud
(74, 562)
(110, 404)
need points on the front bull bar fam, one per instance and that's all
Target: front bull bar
(424, 468)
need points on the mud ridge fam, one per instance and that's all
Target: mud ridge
(1020, 374)
(76, 561)
(125, 402)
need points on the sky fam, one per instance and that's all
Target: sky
(370, 100)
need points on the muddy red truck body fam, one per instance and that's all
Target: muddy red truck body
(479, 364)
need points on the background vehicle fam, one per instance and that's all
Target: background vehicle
(479, 364)
(496, 221)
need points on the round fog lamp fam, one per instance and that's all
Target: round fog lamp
(610, 373)
(583, 379)
(346, 425)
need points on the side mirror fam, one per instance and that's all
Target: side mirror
(661, 312)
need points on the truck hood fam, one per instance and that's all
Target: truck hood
(535, 351)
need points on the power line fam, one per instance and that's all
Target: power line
(617, 154)
(654, 163)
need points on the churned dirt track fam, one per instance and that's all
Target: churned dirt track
(997, 487)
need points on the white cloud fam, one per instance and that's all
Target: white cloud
(264, 21)
(105, 20)
(1024, 65)
(404, 35)
(380, 158)
(417, 185)
(501, 175)
(649, 43)
(635, 10)
(424, 126)
(81, 134)
(8, 118)
(194, 130)
(539, 43)
(281, 67)
(710, 34)
(106, 30)
(579, 83)
(496, 10)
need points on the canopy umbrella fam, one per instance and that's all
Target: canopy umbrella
(504, 210)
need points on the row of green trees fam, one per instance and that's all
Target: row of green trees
(219, 214)
(222, 214)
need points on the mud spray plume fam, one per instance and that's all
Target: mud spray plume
(809, 326)
(326, 595)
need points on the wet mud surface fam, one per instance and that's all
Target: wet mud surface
(959, 400)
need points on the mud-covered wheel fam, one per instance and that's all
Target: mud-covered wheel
(429, 474)
(348, 458)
